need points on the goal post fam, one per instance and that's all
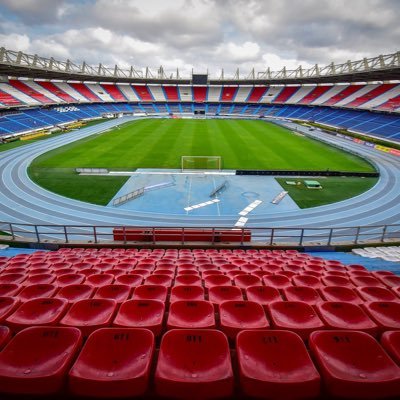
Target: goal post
(202, 163)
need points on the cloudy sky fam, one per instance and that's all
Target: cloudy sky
(202, 34)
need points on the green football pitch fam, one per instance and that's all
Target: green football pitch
(242, 144)
(160, 143)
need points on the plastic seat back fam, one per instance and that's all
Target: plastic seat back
(188, 280)
(119, 293)
(69, 279)
(366, 281)
(306, 294)
(126, 352)
(90, 314)
(349, 316)
(195, 361)
(353, 365)
(191, 314)
(147, 314)
(333, 280)
(276, 363)
(219, 294)
(12, 278)
(244, 281)
(38, 279)
(277, 281)
(340, 293)
(8, 305)
(376, 293)
(5, 335)
(74, 293)
(36, 291)
(37, 359)
(217, 280)
(35, 312)
(385, 313)
(307, 280)
(147, 292)
(239, 315)
(390, 340)
(296, 316)
(9, 289)
(159, 279)
(97, 280)
(263, 294)
(132, 280)
(187, 292)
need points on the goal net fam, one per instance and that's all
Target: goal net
(195, 163)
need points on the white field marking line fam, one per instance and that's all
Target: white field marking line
(279, 197)
(206, 203)
(241, 222)
(250, 207)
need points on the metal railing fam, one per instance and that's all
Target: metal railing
(33, 61)
(282, 236)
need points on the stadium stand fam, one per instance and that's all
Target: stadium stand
(255, 322)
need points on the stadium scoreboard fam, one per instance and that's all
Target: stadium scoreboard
(199, 79)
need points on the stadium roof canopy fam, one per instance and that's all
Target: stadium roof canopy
(19, 64)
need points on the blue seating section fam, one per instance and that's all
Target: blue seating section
(362, 121)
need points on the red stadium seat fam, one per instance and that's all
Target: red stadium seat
(244, 281)
(334, 280)
(302, 293)
(195, 363)
(36, 291)
(354, 366)
(37, 359)
(9, 289)
(35, 312)
(219, 294)
(191, 314)
(74, 293)
(141, 314)
(277, 281)
(97, 280)
(307, 280)
(12, 278)
(154, 292)
(346, 316)
(390, 280)
(217, 280)
(186, 292)
(8, 305)
(39, 279)
(69, 279)
(119, 293)
(239, 315)
(5, 336)
(366, 281)
(390, 340)
(263, 294)
(385, 313)
(90, 314)
(276, 365)
(132, 280)
(376, 293)
(187, 280)
(340, 293)
(159, 279)
(295, 316)
(120, 369)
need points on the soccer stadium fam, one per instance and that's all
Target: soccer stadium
(184, 233)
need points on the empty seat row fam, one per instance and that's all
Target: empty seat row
(231, 316)
(198, 363)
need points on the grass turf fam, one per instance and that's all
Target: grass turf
(242, 144)
(333, 189)
(155, 143)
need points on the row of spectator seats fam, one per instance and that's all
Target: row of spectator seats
(376, 124)
(198, 363)
(384, 96)
(205, 322)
